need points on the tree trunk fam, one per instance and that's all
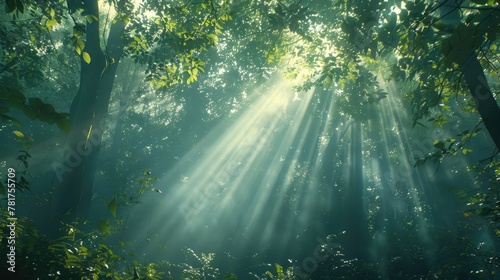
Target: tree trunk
(74, 176)
(480, 90)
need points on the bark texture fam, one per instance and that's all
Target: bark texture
(74, 175)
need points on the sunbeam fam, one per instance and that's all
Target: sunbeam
(220, 195)
(286, 172)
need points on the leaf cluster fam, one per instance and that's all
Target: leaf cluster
(35, 108)
(171, 41)
(449, 147)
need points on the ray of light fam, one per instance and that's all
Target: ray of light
(221, 195)
(260, 179)
(406, 192)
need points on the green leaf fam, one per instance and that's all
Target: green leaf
(64, 124)
(17, 101)
(35, 103)
(419, 162)
(20, 6)
(439, 144)
(112, 207)
(90, 18)
(86, 57)
(79, 46)
(68, 212)
(78, 50)
(46, 113)
(466, 150)
(11, 6)
(279, 269)
(51, 23)
(103, 227)
(18, 133)
(30, 113)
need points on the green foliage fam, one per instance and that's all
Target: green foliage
(22, 183)
(362, 91)
(86, 57)
(449, 147)
(484, 199)
(230, 276)
(82, 255)
(463, 257)
(35, 108)
(203, 272)
(146, 182)
(280, 273)
(294, 17)
(172, 46)
(75, 255)
(14, 6)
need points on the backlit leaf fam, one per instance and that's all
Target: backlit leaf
(103, 227)
(112, 207)
(51, 23)
(18, 133)
(86, 57)
(64, 124)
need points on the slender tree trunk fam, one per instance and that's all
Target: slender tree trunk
(75, 174)
(474, 74)
(480, 90)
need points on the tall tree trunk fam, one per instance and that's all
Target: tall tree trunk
(480, 90)
(74, 176)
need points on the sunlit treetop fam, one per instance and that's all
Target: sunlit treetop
(326, 43)
(317, 43)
